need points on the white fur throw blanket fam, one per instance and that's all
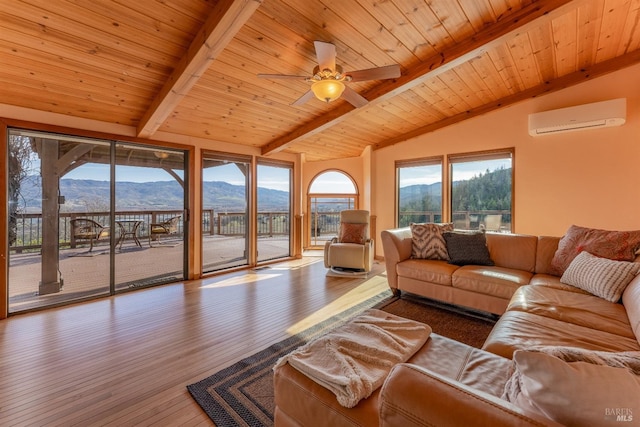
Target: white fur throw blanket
(354, 359)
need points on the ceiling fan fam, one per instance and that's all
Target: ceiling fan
(328, 79)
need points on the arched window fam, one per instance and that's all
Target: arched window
(332, 182)
(329, 193)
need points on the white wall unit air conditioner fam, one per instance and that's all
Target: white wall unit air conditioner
(587, 116)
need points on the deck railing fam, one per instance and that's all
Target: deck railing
(29, 225)
(464, 220)
(328, 223)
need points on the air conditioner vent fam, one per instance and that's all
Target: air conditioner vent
(581, 117)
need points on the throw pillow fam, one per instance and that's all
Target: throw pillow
(600, 276)
(576, 393)
(352, 233)
(427, 241)
(467, 248)
(616, 245)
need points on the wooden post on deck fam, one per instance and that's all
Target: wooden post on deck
(50, 216)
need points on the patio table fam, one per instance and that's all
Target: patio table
(128, 228)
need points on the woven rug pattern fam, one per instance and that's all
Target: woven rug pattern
(242, 394)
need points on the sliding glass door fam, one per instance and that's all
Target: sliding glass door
(225, 211)
(149, 216)
(58, 225)
(274, 210)
(81, 218)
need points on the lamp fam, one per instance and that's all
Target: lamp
(327, 89)
(161, 154)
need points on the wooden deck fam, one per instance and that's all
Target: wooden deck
(86, 274)
(126, 360)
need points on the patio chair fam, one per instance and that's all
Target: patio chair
(493, 222)
(352, 250)
(88, 229)
(166, 228)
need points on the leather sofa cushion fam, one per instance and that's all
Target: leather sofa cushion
(516, 251)
(471, 366)
(432, 271)
(547, 247)
(577, 308)
(519, 330)
(496, 281)
(574, 394)
(551, 281)
(301, 401)
(449, 403)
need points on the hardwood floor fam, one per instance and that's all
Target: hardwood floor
(126, 360)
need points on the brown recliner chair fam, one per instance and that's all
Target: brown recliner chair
(352, 250)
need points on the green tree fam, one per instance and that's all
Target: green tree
(20, 151)
(486, 191)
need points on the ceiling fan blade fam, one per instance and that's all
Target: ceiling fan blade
(304, 98)
(354, 98)
(380, 73)
(326, 54)
(281, 76)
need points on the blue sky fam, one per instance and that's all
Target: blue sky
(462, 171)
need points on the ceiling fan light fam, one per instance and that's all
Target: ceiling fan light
(327, 89)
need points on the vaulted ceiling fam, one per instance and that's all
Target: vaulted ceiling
(190, 67)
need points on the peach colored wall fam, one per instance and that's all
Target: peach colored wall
(590, 178)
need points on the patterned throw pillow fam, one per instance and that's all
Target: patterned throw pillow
(427, 241)
(352, 233)
(616, 245)
(600, 276)
(467, 248)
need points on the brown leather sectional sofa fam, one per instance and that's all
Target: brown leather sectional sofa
(447, 383)
(519, 260)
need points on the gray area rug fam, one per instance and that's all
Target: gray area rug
(242, 394)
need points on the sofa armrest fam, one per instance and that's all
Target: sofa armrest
(396, 245)
(327, 244)
(369, 252)
(414, 396)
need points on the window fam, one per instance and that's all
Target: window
(419, 191)
(481, 188)
(329, 193)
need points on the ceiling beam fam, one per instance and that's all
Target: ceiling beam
(583, 75)
(520, 21)
(225, 20)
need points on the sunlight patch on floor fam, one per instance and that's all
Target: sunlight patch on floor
(295, 264)
(366, 290)
(241, 280)
(313, 253)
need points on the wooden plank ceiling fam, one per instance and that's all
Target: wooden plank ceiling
(189, 66)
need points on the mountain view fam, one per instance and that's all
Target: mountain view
(91, 195)
(487, 191)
